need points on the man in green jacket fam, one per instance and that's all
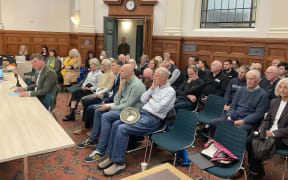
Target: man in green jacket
(45, 81)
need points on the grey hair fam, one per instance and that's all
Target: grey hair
(246, 67)
(254, 72)
(284, 80)
(256, 64)
(96, 62)
(163, 72)
(75, 53)
(218, 62)
(107, 62)
(38, 56)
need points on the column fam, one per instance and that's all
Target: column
(1, 24)
(173, 18)
(87, 16)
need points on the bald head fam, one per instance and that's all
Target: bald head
(216, 66)
(127, 72)
(272, 73)
(148, 73)
(160, 76)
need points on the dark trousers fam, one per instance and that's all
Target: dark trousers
(79, 93)
(256, 165)
(184, 104)
(89, 105)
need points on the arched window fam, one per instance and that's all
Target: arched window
(228, 13)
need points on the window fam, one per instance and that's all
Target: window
(228, 13)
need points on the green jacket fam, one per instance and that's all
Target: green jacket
(47, 84)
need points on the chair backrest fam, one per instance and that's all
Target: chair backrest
(47, 101)
(214, 106)
(185, 125)
(233, 138)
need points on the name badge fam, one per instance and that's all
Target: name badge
(217, 80)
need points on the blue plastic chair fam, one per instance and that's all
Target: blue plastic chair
(213, 108)
(32, 73)
(283, 152)
(28, 81)
(47, 101)
(234, 139)
(180, 137)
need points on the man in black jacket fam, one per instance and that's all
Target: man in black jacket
(189, 92)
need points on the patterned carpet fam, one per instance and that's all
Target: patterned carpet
(68, 163)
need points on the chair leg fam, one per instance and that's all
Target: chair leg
(150, 154)
(174, 162)
(284, 170)
(146, 149)
(189, 172)
(245, 174)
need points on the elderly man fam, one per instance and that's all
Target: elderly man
(128, 95)
(258, 67)
(218, 81)
(175, 72)
(272, 77)
(234, 85)
(189, 92)
(248, 106)
(45, 81)
(158, 101)
(122, 58)
(90, 103)
(147, 78)
(192, 60)
(275, 62)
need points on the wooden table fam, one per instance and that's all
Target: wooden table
(157, 169)
(26, 127)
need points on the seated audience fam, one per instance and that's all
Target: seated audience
(54, 63)
(44, 52)
(175, 73)
(248, 106)
(228, 70)
(234, 85)
(258, 67)
(203, 72)
(275, 62)
(148, 78)
(133, 63)
(153, 64)
(158, 101)
(71, 68)
(103, 55)
(128, 95)
(122, 58)
(282, 70)
(88, 87)
(192, 60)
(272, 77)
(143, 63)
(90, 103)
(159, 59)
(45, 81)
(90, 55)
(217, 82)
(167, 57)
(23, 52)
(235, 64)
(275, 124)
(189, 91)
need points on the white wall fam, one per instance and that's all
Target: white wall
(101, 10)
(36, 15)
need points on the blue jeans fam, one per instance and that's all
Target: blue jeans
(119, 133)
(88, 109)
(96, 124)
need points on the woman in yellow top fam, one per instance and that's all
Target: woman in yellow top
(71, 67)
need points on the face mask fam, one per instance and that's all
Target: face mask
(101, 57)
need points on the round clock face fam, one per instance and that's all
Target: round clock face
(130, 5)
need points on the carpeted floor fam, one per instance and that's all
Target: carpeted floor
(68, 163)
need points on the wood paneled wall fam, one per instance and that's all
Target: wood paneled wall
(61, 41)
(221, 48)
(207, 48)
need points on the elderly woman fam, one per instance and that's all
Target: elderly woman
(88, 87)
(275, 125)
(54, 63)
(71, 67)
(23, 52)
(143, 63)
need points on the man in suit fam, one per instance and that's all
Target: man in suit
(45, 81)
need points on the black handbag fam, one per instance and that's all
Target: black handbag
(263, 147)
